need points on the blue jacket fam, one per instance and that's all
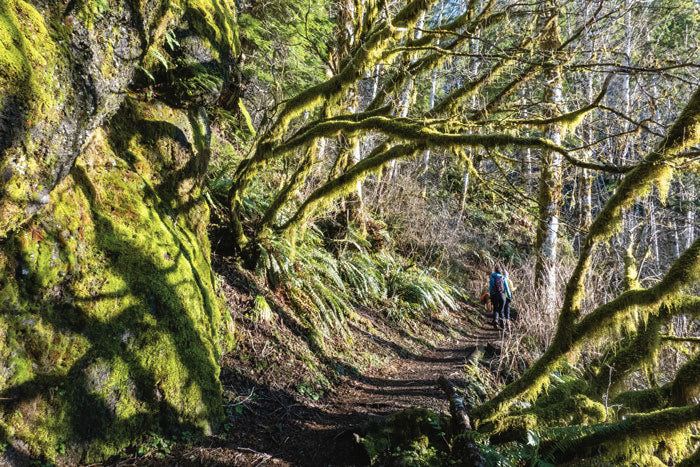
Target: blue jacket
(492, 285)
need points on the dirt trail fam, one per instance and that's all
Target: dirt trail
(281, 431)
(411, 380)
(272, 426)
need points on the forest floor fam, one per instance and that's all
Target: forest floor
(285, 432)
(273, 422)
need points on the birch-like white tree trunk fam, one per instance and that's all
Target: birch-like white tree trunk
(690, 217)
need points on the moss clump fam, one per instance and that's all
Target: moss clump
(644, 400)
(216, 21)
(409, 437)
(29, 61)
(110, 310)
(566, 404)
(636, 440)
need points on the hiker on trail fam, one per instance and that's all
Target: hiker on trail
(499, 291)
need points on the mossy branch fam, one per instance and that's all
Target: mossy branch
(680, 339)
(434, 60)
(686, 385)
(346, 182)
(604, 318)
(684, 388)
(626, 356)
(684, 270)
(655, 167)
(414, 130)
(567, 403)
(646, 400)
(568, 118)
(654, 425)
(610, 168)
(353, 117)
(289, 189)
(684, 305)
(364, 56)
(446, 105)
(529, 73)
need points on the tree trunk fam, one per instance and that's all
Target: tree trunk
(550, 184)
(690, 217)
(471, 456)
(654, 233)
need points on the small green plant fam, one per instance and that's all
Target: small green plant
(171, 41)
(188, 437)
(261, 311)
(307, 390)
(156, 446)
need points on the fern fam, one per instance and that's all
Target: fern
(161, 59)
(327, 286)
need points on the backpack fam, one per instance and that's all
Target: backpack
(498, 284)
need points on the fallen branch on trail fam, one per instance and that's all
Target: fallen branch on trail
(460, 418)
(461, 424)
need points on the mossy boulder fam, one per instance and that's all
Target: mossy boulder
(64, 67)
(110, 322)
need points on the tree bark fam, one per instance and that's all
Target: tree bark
(550, 184)
(461, 423)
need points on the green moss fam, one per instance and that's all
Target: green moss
(409, 437)
(329, 92)
(216, 21)
(346, 182)
(645, 400)
(567, 404)
(29, 59)
(638, 348)
(636, 440)
(120, 311)
(28, 56)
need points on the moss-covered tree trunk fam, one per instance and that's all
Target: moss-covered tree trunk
(550, 185)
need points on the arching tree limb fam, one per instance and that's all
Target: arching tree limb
(601, 320)
(655, 425)
(347, 181)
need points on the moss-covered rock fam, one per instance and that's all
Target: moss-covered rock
(110, 323)
(64, 67)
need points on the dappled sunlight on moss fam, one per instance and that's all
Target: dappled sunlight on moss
(119, 314)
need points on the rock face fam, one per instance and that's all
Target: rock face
(110, 324)
(65, 67)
